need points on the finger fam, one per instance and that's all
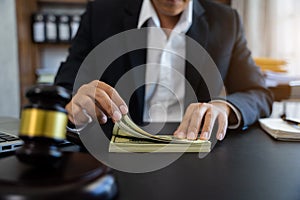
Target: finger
(208, 124)
(70, 112)
(182, 129)
(114, 96)
(87, 104)
(102, 118)
(107, 105)
(96, 89)
(76, 114)
(195, 123)
(223, 123)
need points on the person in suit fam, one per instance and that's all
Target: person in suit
(216, 27)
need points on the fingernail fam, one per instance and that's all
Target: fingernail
(191, 136)
(124, 109)
(205, 135)
(104, 119)
(180, 135)
(117, 115)
(221, 136)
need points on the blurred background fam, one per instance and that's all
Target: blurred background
(36, 34)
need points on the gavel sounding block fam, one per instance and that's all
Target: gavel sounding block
(80, 176)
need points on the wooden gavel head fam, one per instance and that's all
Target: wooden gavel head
(43, 125)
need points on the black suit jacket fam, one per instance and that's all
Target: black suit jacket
(216, 27)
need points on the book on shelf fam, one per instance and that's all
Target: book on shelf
(128, 137)
(280, 129)
(46, 75)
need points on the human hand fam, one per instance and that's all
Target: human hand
(97, 100)
(190, 125)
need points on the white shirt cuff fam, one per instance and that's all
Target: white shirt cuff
(236, 112)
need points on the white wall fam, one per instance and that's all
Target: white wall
(9, 71)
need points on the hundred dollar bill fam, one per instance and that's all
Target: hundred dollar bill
(131, 144)
(127, 127)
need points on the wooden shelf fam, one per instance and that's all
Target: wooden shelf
(29, 52)
(53, 45)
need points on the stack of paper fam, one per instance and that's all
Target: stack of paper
(46, 75)
(280, 129)
(274, 79)
(128, 137)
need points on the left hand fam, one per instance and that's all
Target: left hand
(191, 123)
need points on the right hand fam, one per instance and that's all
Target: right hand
(99, 100)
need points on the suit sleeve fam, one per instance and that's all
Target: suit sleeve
(245, 83)
(80, 47)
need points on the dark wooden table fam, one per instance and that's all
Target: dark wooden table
(249, 165)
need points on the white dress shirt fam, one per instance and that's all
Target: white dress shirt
(165, 80)
(165, 69)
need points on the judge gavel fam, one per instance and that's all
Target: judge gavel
(43, 125)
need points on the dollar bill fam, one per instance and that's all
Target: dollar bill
(126, 127)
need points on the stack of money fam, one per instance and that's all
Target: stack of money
(128, 137)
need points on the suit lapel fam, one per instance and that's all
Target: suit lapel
(199, 29)
(131, 17)
(199, 32)
(135, 58)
